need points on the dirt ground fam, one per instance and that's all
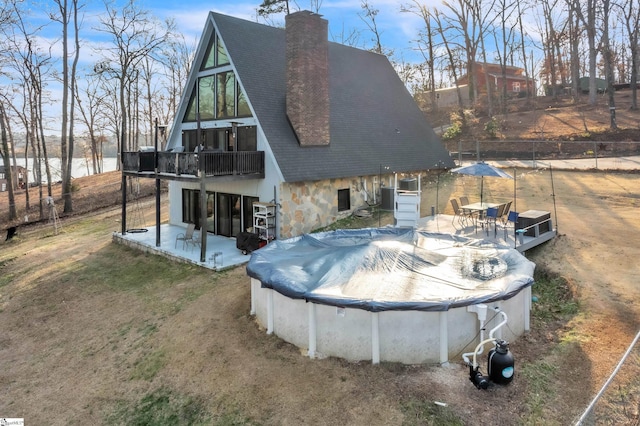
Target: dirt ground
(72, 352)
(68, 349)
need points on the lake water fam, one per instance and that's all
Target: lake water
(79, 168)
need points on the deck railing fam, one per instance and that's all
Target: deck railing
(188, 163)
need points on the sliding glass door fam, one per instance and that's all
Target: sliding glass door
(229, 214)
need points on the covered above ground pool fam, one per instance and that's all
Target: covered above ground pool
(387, 294)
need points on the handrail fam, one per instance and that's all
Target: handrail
(215, 163)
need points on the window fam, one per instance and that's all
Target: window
(516, 86)
(191, 206)
(243, 105)
(218, 95)
(222, 57)
(225, 100)
(344, 200)
(247, 138)
(190, 115)
(247, 211)
(219, 139)
(216, 55)
(206, 92)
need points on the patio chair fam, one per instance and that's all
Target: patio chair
(510, 222)
(464, 201)
(458, 214)
(505, 212)
(502, 208)
(187, 236)
(491, 217)
(195, 239)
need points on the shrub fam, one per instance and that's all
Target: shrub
(455, 130)
(492, 127)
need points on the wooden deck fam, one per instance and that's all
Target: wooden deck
(446, 224)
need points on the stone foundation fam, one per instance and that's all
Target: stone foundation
(307, 206)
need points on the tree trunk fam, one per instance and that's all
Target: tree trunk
(7, 165)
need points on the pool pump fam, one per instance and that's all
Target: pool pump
(500, 360)
(500, 367)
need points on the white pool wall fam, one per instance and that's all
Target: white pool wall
(409, 337)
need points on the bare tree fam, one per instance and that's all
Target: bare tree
(608, 62)
(631, 19)
(4, 152)
(176, 59)
(481, 16)
(134, 35)
(507, 25)
(68, 15)
(574, 41)
(453, 63)
(91, 102)
(464, 25)
(6, 19)
(552, 29)
(426, 46)
(520, 13)
(590, 26)
(347, 37)
(272, 7)
(30, 65)
(368, 16)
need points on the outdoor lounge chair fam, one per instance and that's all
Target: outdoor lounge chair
(187, 236)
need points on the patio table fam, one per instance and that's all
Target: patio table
(479, 208)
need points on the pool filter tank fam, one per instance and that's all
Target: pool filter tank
(501, 364)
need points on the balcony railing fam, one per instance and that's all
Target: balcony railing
(187, 163)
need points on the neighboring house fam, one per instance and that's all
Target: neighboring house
(19, 177)
(601, 85)
(516, 81)
(444, 98)
(284, 116)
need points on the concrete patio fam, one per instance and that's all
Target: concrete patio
(221, 251)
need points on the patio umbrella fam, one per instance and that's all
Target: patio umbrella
(481, 169)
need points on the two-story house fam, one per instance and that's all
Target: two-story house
(285, 116)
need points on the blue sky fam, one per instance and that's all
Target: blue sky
(397, 28)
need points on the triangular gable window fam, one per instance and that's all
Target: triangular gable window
(190, 115)
(216, 54)
(217, 94)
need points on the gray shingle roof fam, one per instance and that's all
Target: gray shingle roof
(374, 120)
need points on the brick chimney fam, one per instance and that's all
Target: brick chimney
(308, 77)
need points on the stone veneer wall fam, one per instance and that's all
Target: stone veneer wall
(306, 206)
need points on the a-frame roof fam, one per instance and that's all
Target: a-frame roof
(374, 122)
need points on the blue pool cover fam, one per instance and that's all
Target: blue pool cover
(391, 269)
